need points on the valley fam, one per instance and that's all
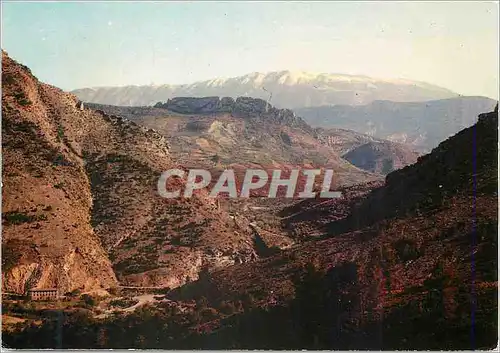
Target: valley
(405, 259)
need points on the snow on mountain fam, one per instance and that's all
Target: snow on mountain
(286, 89)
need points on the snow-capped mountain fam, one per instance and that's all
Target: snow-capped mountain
(284, 89)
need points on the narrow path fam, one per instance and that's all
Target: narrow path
(139, 287)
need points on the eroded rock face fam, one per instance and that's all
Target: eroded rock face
(243, 107)
(18, 278)
(80, 204)
(190, 105)
(46, 196)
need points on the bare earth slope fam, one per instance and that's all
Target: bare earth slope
(47, 239)
(80, 185)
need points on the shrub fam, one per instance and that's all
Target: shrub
(17, 218)
(201, 303)
(286, 138)
(406, 249)
(60, 160)
(123, 302)
(387, 166)
(215, 158)
(89, 300)
(209, 314)
(60, 133)
(8, 79)
(75, 293)
(227, 308)
(21, 99)
(113, 291)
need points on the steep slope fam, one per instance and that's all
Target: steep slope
(283, 89)
(391, 253)
(462, 166)
(420, 124)
(79, 183)
(47, 240)
(381, 157)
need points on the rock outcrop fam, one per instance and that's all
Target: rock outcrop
(241, 107)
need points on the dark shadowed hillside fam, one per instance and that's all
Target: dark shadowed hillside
(440, 252)
(381, 157)
(462, 166)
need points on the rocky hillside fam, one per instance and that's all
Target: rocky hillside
(409, 264)
(283, 89)
(381, 157)
(80, 202)
(216, 133)
(465, 165)
(47, 238)
(419, 124)
(421, 249)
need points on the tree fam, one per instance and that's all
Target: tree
(324, 306)
(88, 300)
(215, 158)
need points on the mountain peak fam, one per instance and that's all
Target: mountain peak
(285, 89)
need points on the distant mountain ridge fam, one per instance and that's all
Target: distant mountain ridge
(283, 89)
(253, 131)
(420, 124)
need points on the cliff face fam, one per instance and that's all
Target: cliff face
(47, 239)
(241, 107)
(80, 201)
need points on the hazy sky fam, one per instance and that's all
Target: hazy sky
(74, 45)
